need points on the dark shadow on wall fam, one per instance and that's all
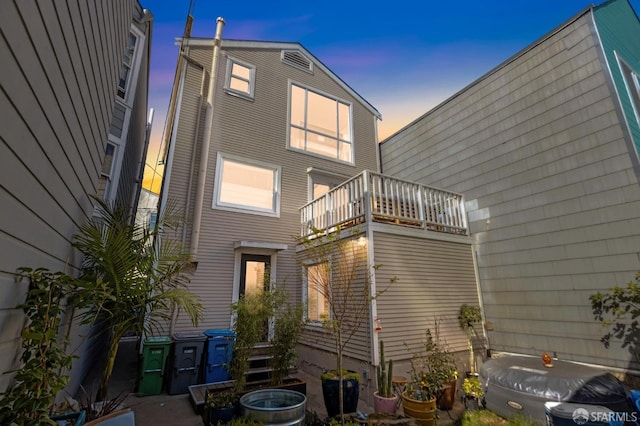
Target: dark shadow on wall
(619, 310)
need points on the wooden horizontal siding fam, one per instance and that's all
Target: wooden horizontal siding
(58, 82)
(253, 130)
(359, 346)
(434, 278)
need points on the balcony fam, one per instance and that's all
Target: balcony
(372, 197)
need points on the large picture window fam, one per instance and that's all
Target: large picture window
(243, 185)
(317, 281)
(320, 125)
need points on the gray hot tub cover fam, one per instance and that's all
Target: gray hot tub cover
(565, 381)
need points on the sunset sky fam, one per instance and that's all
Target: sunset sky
(404, 57)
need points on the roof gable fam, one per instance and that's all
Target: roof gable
(292, 54)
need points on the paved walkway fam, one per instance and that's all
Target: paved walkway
(176, 410)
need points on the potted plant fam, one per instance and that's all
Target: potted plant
(220, 406)
(384, 399)
(431, 368)
(44, 357)
(468, 316)
(448, 397)
(472, 389)
(134, 281)
(342, 278)
(449, 371)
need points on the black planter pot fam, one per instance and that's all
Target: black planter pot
(331, 394)
(215, 415)
(471, 403)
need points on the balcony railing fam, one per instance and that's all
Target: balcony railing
(372, 197)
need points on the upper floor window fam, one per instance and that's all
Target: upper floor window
(633, 86)
(240, 78)
(106, 174)
(244, 185)
(127, 65)
(320, 125)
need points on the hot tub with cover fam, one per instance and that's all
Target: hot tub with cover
(521, 385)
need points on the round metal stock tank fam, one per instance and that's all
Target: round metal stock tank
(280, 407)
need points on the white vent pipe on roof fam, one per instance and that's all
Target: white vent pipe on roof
(206, 143)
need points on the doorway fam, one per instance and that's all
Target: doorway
(255, 276)
(255, 271)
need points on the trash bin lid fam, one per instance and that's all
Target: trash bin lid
(188, 335)
(568, 410)
(219, 333)
(160, 340)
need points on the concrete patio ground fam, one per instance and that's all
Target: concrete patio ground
(177, 410)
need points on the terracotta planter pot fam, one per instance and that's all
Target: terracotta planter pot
(385, 405)
(424, 412)
(448, 397)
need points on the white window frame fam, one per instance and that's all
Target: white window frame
(291, 126)
(628, 72)
(229, 76)
(217, 204)
(305, 295)
(134, 67)
(323, 177)
(108, 175)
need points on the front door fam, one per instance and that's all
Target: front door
(255, 272)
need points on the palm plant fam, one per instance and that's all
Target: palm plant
(135, 281)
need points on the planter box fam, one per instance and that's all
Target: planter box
(198, 393)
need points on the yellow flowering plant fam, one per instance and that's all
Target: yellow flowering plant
(431, 368)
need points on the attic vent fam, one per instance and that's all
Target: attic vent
(297, 59)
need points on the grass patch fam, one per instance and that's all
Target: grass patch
(489, 418)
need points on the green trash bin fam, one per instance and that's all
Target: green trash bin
(155, 351)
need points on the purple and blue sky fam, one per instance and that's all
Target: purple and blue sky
(403, 57)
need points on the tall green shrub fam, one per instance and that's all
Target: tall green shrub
(135, 280)
(287, 328)
(252, 312)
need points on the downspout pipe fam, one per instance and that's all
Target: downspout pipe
(206, 143)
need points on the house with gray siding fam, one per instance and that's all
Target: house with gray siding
(267, 143)
(544, 148)
(73, 124)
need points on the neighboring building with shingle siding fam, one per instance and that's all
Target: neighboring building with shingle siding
(545, 149)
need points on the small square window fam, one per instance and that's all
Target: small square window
(240, 78)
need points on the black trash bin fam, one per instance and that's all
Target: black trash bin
(219, 352)
(185, 361)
